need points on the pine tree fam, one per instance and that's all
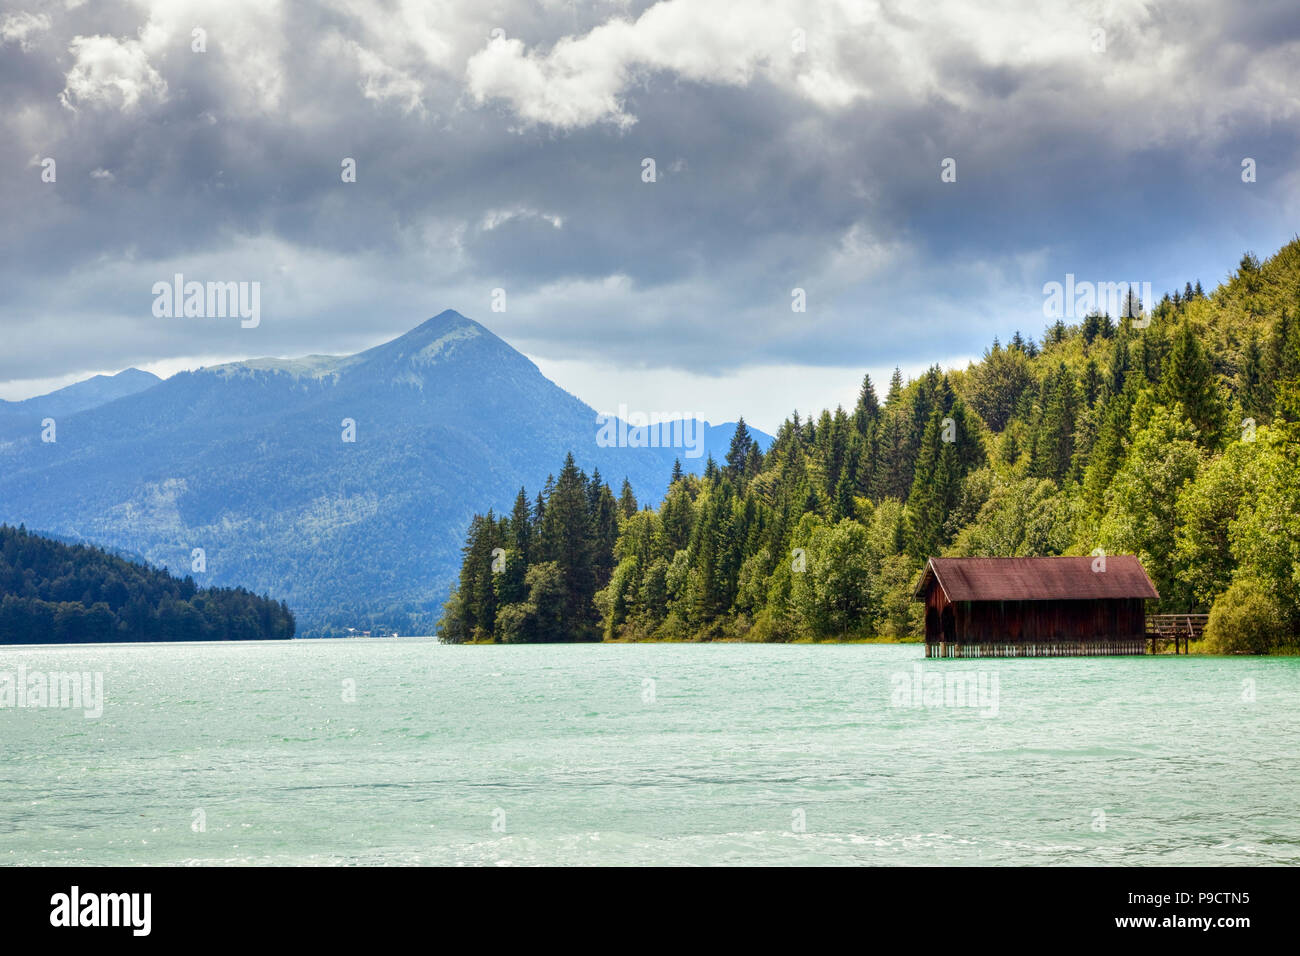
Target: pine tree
(477, 588)
(678, 519)
(1189, 381)
(1091, 383)
(565, 538)
(845, 485)
(739, 450)
(510, 583)
(1250, 380)
(1107, 453)
(604, 533)
(935, 490)
(1120, 360)
(1282, 356)
(627, 505)
(1052, 451)
(867, 409)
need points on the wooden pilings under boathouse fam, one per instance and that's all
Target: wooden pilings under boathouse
(1042, 607)
(1103, 648)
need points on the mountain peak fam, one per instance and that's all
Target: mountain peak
(134, 374)
(448, 336)
(445, 321)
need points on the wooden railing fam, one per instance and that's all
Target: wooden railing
(1179, 628)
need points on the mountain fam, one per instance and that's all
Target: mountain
(91, 393)
(249, 463)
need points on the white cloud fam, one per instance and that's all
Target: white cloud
(248, 44)
(497, 217)
(1008, 56)
(380, 81)
(21, 27)
(111, 72)
(581, 81)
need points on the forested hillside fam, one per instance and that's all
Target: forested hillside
(1175, 437)
(52, 593)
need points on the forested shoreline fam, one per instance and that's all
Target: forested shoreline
(1172, 433)
(52, 592)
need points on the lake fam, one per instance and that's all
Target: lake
(409, 752)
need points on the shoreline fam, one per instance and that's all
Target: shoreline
(1197, 649)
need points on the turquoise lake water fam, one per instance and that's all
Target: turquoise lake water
(647, 754)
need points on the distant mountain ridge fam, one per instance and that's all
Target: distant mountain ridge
(80, 396)
(249, 462)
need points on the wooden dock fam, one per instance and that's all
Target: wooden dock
(1181, 629)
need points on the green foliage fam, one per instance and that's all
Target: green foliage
(1022, 517)
(833, 597)
(1265, 537)
(1142, 502)
(55, 593)
(1207, 510)
(1188, 381)
(1110, 435)
(1246, 619)
(998, 383)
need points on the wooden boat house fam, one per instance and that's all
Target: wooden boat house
(1035, 607)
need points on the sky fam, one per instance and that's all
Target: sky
(919, 171)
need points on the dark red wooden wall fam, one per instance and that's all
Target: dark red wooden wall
(988, 622)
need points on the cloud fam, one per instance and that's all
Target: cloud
(498, 217)
(582, 80)
(785, 159)
(111, 72)
(380, 82)
(21, 27)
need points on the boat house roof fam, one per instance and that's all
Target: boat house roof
(1037, 579)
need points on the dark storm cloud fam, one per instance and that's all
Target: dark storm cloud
(773, 173)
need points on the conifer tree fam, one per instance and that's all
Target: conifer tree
(1189, 381)
(739, 450)
(1282, 356)
(627, 505)
(1052, 451)
(565, 539)
(867, 410)
(521, 525)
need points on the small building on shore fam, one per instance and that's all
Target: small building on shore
(1035, 607)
